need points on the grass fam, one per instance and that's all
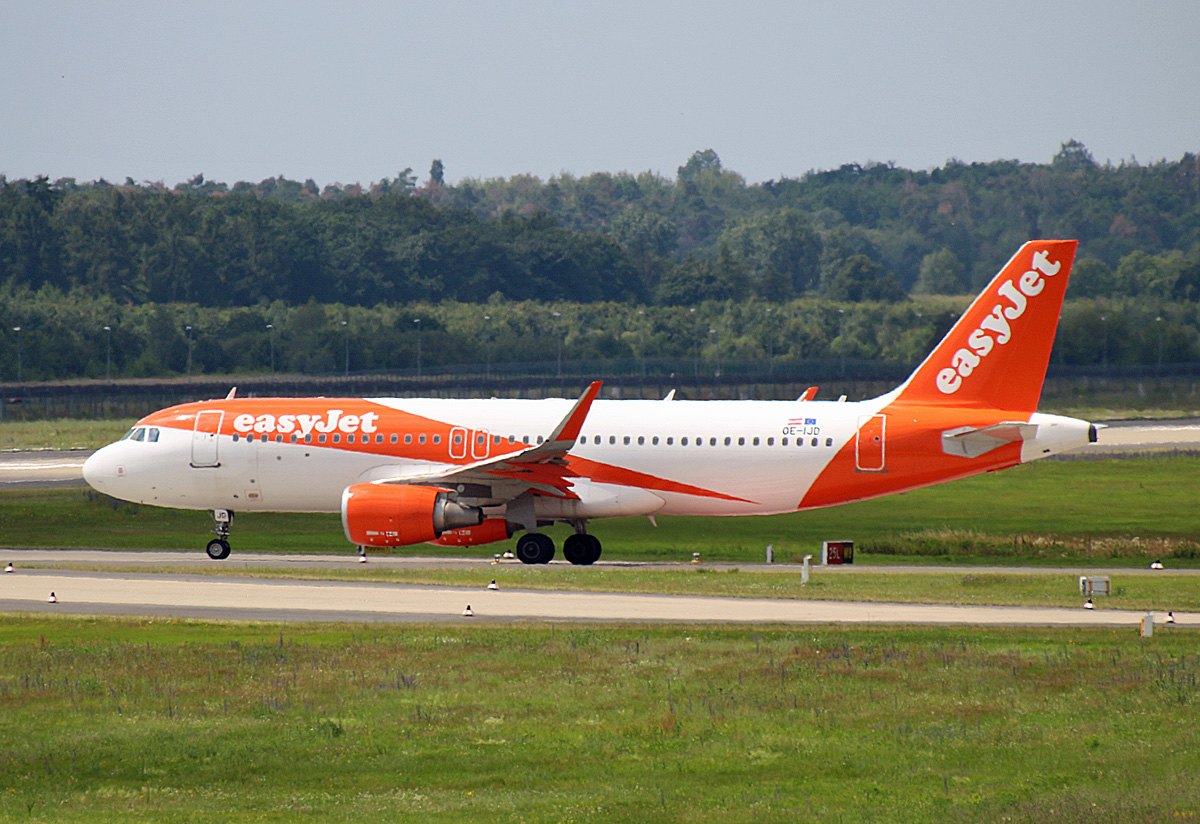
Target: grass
(61, 433)
(187, 721)
(1049, 512)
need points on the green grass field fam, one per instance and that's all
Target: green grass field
(1050, 512)
(166, 721)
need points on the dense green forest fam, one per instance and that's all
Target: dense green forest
(858, 262)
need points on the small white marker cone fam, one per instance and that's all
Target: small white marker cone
(53, 599)
(493, 584)
(467, 612)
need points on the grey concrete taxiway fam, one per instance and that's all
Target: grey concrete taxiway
(170, 594)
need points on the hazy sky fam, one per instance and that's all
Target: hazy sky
(355, 91)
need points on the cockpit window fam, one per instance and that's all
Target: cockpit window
(152, 435)
(139, 434)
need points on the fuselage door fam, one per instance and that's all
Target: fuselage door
(205, 438)
(480, 445)
(869, 444)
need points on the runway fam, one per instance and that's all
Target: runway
(134, 592)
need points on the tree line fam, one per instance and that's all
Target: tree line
(147, 261)
(74, 336)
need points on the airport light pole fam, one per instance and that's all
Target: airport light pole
(188, 329)
(417, 321)
(558, 334)
(271, 338)
(346, 370)
(488, 318)
(1158, 322)
(17, 329)
(108, 353)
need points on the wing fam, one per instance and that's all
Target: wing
(541, 468)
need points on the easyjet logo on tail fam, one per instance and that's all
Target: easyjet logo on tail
(996, 328)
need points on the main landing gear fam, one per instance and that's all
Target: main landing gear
(218, 548)
(580, 548)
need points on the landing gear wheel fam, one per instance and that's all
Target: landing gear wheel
(593, 549)
(576, 548)
(218, 549)
(535, 548)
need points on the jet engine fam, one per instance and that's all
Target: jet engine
(399, 515)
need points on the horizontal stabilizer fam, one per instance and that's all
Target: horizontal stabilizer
(971, 442)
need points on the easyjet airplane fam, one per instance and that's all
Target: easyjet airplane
(465, 472)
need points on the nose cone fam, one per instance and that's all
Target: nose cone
(98, 469)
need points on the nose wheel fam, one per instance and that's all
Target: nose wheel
(218, 548)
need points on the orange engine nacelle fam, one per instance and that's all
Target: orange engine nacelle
(488, 532)
(398, 515)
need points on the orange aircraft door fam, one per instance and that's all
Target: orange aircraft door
(869, 444)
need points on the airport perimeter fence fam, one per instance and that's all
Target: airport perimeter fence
(1177, 384)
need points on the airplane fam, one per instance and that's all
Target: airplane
(471, 472)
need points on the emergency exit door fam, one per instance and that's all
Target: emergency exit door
(869, 445)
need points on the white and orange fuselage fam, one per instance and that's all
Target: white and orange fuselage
(499, 465)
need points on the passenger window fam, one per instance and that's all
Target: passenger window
(654, 441)
(421, 438)
(612, 438)
(713, 441)
(770, 441)
(525, 440)
(457, 440)
(379, 438)
(337, 438)
(670, 441)
(278, 439)
(236, 437)
(321, 439)
(783, 441)
(308, 438)
(814, 441)
(437, 438)
(829, 441)
(728, 440)
(755, 442)
(683, 441)
(295, 437)
(627, 440)
(350, 438)
(540, 439)
(407, 438)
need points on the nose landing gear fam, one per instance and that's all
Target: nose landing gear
(218, 548)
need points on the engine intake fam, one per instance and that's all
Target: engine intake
(398, 515)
